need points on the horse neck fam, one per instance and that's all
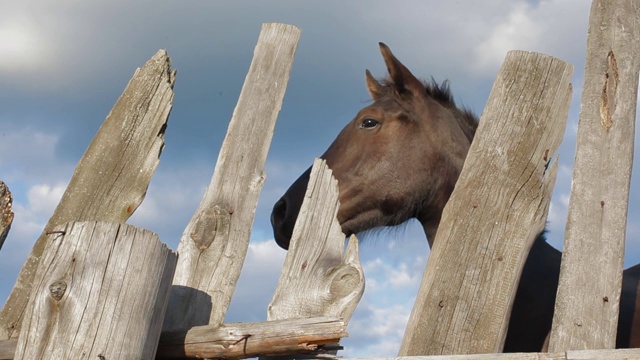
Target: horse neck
(460, 126)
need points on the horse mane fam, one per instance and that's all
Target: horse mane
(441, 93)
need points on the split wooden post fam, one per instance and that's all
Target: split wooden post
(318, 277)
(100, 292)
(6, 213)
(587, 305)
(214, 243)
(111, 179)
(498, 208)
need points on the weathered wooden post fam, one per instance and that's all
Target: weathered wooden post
(6, 214)
(112, 177)
(318, 277)
(587, 306)
(100, 292)
(496, 211)
(214, 243)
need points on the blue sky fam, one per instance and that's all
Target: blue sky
(64, 64)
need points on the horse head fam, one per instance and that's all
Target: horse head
(399, 158)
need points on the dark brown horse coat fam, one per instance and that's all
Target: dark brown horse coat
(400, 158)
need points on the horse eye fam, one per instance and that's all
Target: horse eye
(369, 123)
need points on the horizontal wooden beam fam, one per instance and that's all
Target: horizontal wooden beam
(311, 335)
(7, 348)
(619, 354)
(244, 340)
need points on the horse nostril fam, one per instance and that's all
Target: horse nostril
(279, 212)
(278, 222)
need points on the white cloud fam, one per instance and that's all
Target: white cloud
(37, 180)
(264, 255)
(526, 26)
(22, 48)
(257, 282)
(376, 330)
(171, 199)
(44, 198)
(517, 31)
(391, 275)
(30, 218)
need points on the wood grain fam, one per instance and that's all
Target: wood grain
(587, 305)
(498, 208)
(214, 243)
(319, 278)
(243, 340)
(112, 178)
(101, 291)
(621, 354)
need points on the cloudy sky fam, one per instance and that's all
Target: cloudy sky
(63, 65)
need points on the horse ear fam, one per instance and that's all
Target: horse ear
(403, 79)
(374, 87)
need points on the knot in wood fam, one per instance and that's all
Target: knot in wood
(211, 223)
(57, 289)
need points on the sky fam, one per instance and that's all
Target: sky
(64, 64)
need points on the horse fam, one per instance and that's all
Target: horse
(399, 158)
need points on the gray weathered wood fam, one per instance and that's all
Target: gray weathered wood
(214, 243)
(8, 349)
(100, 291)
(243, 340)
(587, 306)
(112, 177)
(622, 354)
(318, 277)
(496, 211)
(6, 213)
(240, 340)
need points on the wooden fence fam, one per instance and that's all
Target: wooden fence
(82, 292)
